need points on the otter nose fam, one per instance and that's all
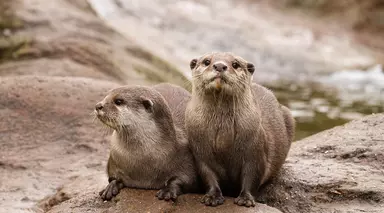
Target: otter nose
(220, 67)
(99, 106)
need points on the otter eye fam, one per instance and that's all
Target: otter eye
(193, 64)
(207, 62)
(118, 101)
(235, 65)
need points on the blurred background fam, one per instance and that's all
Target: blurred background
(322, 58)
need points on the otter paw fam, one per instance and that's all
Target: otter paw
(167, 193)
(245, 200)
(110, 191)
(211, 199)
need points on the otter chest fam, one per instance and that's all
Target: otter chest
(221, 133)
(132, 158)
(223, 138)
(214, 131)
(228, 132)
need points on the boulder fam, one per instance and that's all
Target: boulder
(338, 170)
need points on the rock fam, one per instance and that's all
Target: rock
(338, 170)
(52, 67)
(66, 38)
(86, 199)
(48, 135)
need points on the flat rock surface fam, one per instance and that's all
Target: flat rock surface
(130, 200)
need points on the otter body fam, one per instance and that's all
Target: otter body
(239, 133)
(149, 149)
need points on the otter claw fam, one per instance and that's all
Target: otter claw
(245, 200)
(167, 194)
(212, 200)
(101, 192)
(110, 191)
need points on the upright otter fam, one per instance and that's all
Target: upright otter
(149, 149)
(238, 132)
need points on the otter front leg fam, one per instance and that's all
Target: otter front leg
(171, 190)
(214, 196)
(112, 189)
(251, 180)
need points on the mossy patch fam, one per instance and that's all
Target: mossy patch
(14, 47)
(165, 72)
(6, 23)
(150, 74)
(306, 4)
(7, 18)
(320, 6)
(10, 46)
(83, 5)
(156, 76)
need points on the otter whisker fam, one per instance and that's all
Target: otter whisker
(105, 130)
(94, 117)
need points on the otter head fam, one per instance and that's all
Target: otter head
(221, 72)
(128, 108)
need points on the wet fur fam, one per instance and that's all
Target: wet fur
(240, 135)
(150, 151)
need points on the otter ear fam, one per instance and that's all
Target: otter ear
(250, 68)
(193, 64)
(147, 103)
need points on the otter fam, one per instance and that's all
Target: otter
(149, 148)
(239, 133)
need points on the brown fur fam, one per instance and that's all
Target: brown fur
(178, 100)
(239, 133)
(149, 149)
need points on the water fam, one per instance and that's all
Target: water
(317, 108)
(309, 72)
